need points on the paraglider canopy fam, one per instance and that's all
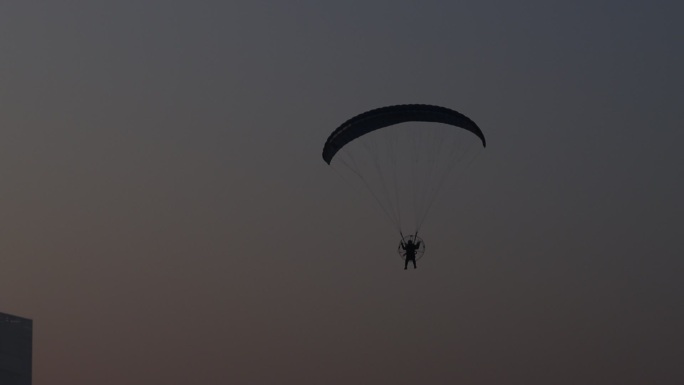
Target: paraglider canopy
(403, 155)
(388, 116)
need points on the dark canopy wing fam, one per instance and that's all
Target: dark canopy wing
(387, 116)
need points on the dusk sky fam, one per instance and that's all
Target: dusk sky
(167, 218)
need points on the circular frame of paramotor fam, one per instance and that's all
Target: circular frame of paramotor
(414, 238)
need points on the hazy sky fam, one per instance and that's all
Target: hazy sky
(166, 217)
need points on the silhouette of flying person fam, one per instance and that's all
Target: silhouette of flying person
(410, 252)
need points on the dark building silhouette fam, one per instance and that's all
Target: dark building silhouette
(16, 348)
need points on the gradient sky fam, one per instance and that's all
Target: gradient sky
(167, 217)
